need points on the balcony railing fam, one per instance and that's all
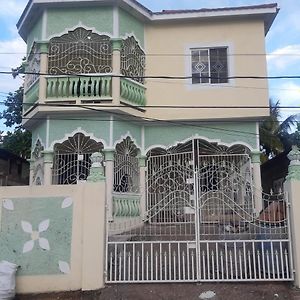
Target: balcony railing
(90, 87)
(133, 92)
(31, 95)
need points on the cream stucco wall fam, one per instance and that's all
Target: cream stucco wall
(168, 48)
(87, 241)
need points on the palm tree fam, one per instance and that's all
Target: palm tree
(274, 133)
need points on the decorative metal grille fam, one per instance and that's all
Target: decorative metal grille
(80, 52)
(126, 168)
(133, 60)
(72, 159)
(33, 68)
(200, 223)
(209, 65)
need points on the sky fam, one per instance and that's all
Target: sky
(282, 44)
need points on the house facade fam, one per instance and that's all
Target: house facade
(145, 127)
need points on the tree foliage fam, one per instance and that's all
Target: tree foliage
(17, 141)
(13, 112)
(275, 136)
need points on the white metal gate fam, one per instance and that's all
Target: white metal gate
(200, 225)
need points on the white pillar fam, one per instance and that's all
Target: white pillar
(31, 170)
(292, 186)
(48, 164)
(255, 159)
(43, 48)
(109, 175)
(143, 169)
(116, 66)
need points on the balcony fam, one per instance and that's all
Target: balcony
(94, 69)
(79, 89)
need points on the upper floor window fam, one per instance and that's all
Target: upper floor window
(80, 52)
(209, 65)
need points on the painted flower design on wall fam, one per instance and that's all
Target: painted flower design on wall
(35, 235)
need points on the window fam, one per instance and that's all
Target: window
(209, 65)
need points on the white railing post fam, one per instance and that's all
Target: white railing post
(255, 159)
(109, 175)
(143, 168)
(292, 186)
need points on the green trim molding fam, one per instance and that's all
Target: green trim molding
(109, 154)
(116, 44)
(48, 156)
(294, 167)
(255, 156)
(142, 161)
(294, 172)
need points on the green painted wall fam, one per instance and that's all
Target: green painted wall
(35, 34)
(39, 131)
(28, 220)
(226, 132)
(128, 24)
(99, 126)
(121, 128)
(100, 18)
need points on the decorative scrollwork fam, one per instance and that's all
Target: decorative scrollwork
(38, 149)
(72, 159)
(132, 60)
(127, 147)
(126, 167)
(80, 52)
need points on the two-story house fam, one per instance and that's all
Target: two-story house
(170, 100)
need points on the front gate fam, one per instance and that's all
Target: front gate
(200, 225)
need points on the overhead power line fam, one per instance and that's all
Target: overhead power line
(296, 54)
(158, 76)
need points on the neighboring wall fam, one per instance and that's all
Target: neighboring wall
(169, 45)
(55, 234)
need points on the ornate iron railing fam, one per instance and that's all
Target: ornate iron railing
(80, 52)
(72, 161)
(132, 60)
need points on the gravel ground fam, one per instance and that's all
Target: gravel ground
(214, 291)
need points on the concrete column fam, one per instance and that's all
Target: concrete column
(255, 159)
(48, 164)
(31, 170)
(109, 175)
(116, 66)
(93, 236)
(143, 170)
(292, 187)
(43, 48)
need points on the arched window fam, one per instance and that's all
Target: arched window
(80, 52)
(132, 60)
(72, 159)
(126, 167)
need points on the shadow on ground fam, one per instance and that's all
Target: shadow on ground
(222, 291)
